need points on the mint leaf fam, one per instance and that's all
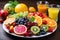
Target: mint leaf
(31, 19)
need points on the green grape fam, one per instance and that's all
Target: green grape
(25, 13)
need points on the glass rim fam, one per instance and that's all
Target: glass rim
(54, 5)
(42, 2)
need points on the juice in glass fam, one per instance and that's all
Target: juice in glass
(42, 8)
(53, 13)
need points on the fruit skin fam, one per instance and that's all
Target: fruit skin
(32, 9)
(44, 27)
(21, 8)
(50, 29)
(29, 15)
(38, 19)
(9, 21)
(1, 20)
(19, 29)
(51, 23)
(8, 7)
(28, 33)
(35, 29)
(3, 13)
(44, 22)
(11, 30)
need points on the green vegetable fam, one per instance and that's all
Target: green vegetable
(13, 3)
(31, 19)
(10, 6)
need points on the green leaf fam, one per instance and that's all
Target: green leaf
(31, 19)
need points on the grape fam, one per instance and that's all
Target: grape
(22, 21)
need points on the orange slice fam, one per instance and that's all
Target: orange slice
(9, 20)
(38, 19)
(51, 23)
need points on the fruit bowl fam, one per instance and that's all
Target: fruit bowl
(25, 22)
(6, 30)
(30, 26)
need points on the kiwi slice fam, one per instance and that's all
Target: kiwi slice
(44, 27)
(35, 29)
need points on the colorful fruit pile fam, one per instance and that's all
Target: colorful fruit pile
(35, 24)
(26, 22)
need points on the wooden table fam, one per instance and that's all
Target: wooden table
(5, 36)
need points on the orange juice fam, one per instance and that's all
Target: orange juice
(42, 7)
(53, 13)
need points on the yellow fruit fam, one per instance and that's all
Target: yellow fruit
(9, 20)
(32, 9)
(21, 7)
(51, 23)
(38, 19)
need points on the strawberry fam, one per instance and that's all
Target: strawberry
(44, 22)
(50, 30)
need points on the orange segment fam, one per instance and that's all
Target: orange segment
(51, 23)
(38, 19)
(9, 20)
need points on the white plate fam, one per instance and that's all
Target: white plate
(6, 30)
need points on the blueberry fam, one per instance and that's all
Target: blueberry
(42, 32)
(26, 20)
(25, 23)
(21, 22)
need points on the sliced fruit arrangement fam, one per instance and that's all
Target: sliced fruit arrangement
(22, 25)
(25, 21)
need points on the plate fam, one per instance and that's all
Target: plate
(48, 33)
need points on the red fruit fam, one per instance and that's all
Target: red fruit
(35, 13)
(50, 29)
(29, 15)
(41, 15)
(3, 13)
(11, 30)
(28, 33)
(7, 26)
(45, 16)
(44, 22)
(1, 20)
(20, 29)
(14, 24)
(29, 24)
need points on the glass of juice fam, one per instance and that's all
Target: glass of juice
(53, 13)
(42, 6)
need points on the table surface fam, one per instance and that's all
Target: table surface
(5, 36)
